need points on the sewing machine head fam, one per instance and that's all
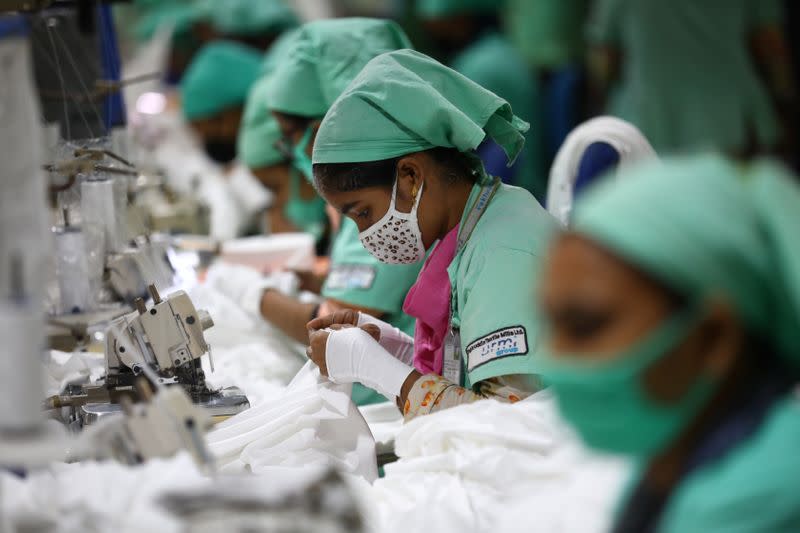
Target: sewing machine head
(163, 343)
(167, 337)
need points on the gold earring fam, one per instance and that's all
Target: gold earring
(414, 191)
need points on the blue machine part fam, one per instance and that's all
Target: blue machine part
(113, 107)
(13, 26)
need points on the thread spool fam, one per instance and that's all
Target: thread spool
(21, 329)
(72, 270)
(98, 208)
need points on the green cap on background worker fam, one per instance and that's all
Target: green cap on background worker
(184, 19)
(256, 23)
(296, 205)
(325, 57)
(213, 93)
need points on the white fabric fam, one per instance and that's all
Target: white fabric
(248, 191)
(385, 421)
(246, 285)
(313, 422)
(353, 355)
(626, 139)
(491, 466)
(97, 497)
(63, 368)
(394, 341)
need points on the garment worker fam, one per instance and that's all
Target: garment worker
(396, 155)
(324, 57)
(694, 76)
(672, 309)
(214, 112)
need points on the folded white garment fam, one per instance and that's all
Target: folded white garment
(312, 422)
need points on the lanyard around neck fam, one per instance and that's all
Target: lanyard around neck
(475, 212)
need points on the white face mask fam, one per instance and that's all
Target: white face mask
(396, 238)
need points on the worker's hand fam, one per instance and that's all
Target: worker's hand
(340, 317)
(317, 342)
(308, 280)
(349, 354)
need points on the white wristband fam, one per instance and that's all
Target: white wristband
(352, 355)
(394, 341)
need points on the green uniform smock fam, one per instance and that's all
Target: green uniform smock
(358, 278)
(494, 279)
(493, 63)
(688, 78)
(548, 33)
(753, 489)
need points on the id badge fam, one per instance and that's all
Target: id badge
(452, 357)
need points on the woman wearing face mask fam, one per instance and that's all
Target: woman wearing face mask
(395, 154)
(673, 309)
(321, 60)
(214, 112)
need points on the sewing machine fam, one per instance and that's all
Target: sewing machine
(164, 343)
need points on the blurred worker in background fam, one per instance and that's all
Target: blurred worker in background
(213, 93)
(468, 34)
(396, 155)
(295, 204)
(672, 312)
(549, 35)
(256, 23)
(323, 58)
(195, 23)
(695, 75)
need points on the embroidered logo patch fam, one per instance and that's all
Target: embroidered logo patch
(497, 344)
(349, 277)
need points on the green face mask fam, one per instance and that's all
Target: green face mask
(305, 215)
(606, 401)
(300, 159)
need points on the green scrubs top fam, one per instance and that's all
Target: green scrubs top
(357, 278)
(494, 63)
(753, 489)
(495, 278)
(548, 33)
(688, 79)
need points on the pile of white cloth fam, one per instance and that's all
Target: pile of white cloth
(490, 466)
(245, 351)
(312, 423)
(97, 497)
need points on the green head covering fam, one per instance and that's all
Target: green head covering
(247, 18)
(326, 55)
(404, 102)
(278, 50)
(259, 130)
(705, 226)
(440, 8)
(218, 78)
